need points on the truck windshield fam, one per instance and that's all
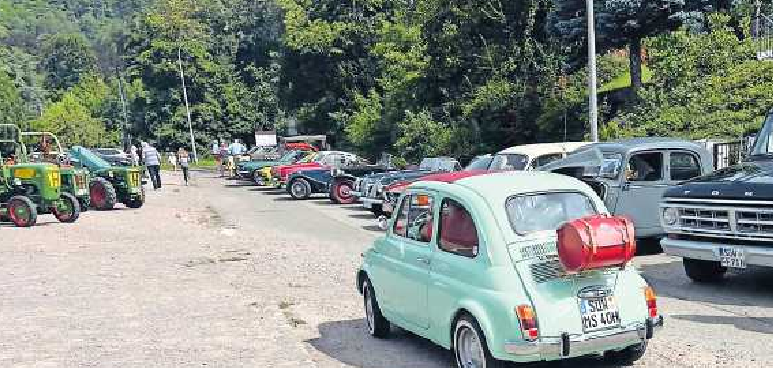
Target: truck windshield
(764, 142)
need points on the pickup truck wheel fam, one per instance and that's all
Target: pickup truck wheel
(300, 189)
(470, 348)
(341, 192)
(627, 356)
(703, 271)
(378, 326)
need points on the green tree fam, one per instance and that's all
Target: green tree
(11, 104)
(66, 59)
(623, 24)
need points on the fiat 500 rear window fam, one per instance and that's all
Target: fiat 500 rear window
(546, 211)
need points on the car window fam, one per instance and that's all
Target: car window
(480, 163)
(458, 233)
(684, 166)
(646, 166)
(511, 161)
(545, 159)
(401, 220)
(546, 211)
(414, 219)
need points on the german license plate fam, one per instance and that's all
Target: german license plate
(599, 313)
(732, 257)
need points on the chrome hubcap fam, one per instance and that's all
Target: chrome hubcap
(369, 310)
(469, 349)
(299, 189)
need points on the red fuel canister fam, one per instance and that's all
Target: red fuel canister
(594, 242)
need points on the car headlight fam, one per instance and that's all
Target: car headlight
(17, 181)
(670, 216)
(110, 174)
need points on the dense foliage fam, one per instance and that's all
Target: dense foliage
(413, 78)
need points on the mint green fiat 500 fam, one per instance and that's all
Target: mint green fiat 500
(471, 263)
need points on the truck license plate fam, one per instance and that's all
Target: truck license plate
(599, 313)
(732, 257)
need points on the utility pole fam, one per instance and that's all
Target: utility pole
(187, 107)
(593, 105)
(124, 136)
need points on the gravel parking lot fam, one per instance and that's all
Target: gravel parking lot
(224, 273)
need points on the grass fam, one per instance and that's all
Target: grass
(624, 80)
(205, 163)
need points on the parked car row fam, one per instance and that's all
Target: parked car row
(525, 255)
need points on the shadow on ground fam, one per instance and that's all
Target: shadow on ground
(754, 324)
(750, 287)
(349, 343)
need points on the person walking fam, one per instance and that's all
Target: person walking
(184, 159)
(135, 157)
(223, 158)
(172, 157)
(153, 162)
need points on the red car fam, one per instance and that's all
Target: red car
(393, 191)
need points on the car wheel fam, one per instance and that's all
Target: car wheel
(627, 356)
(378, 326)
(300, 189)
(68, 210)
(470, 348)
(103, 195)
(22, 212)
(703, 271)
(342, 192)
(257, 178)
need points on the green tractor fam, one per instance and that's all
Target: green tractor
(110, 184)
(28, 189)
(46, 148)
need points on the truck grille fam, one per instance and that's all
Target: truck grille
(743, 220)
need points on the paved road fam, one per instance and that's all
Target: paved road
(223, 273)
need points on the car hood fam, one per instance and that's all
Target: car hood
(751, 180)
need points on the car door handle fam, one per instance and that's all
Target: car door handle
(423, 260)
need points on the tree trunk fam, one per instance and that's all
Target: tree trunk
(634, 55)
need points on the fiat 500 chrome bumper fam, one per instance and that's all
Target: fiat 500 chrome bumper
(574, 345)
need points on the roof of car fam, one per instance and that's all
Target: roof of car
(645, 143)
(537, 149)
(496, 187)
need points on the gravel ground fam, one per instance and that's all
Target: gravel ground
(226, 274)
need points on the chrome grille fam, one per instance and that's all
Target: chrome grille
(760, 221)
(734, 219)
(546, 270)
(704, 218)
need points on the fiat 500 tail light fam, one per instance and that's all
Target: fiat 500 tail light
(528, 321)
(594, 242)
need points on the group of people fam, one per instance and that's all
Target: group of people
(149, 156)
(224, 154)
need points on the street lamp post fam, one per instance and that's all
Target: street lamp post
(187, 107)
(594, 123)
